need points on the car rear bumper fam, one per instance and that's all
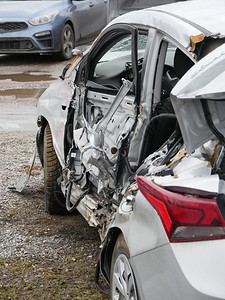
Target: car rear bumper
(170, 272)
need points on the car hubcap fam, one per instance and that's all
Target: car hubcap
(68, 41)
(123, 282)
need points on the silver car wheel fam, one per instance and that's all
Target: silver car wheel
(68, 40)
(67, 43)
(123, 282)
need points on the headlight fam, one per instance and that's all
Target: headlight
(43, 19)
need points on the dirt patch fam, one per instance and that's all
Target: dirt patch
(42, 256)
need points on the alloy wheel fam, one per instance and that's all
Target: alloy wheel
(123, 282)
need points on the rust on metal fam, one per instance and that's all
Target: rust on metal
(196, 39)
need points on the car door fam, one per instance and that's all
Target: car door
(111, 102)
(89, 16)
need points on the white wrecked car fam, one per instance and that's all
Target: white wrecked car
(146, 168)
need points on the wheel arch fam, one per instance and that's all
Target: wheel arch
(41, 123)
(69, 22)
(107, 251)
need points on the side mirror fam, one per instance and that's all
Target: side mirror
(71, 66)
(77, 52)
(64, 71)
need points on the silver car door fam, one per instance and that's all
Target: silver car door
(111, 103)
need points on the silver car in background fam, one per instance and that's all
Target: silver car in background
(49, 26)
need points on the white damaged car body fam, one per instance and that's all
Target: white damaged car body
(134, 137)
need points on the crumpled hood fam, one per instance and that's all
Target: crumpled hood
(203, 82)
(27, 9)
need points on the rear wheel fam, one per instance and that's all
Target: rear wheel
(122, 281)
(54, 198)
(67, 43)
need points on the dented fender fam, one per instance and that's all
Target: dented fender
(139, 223)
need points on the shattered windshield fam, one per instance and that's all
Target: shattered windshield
(125, 45)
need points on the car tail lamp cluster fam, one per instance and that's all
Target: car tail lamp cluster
(185, 218)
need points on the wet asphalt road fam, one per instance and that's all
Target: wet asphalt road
(23, 78)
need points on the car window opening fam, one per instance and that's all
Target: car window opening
(115, 61)
(172, 65)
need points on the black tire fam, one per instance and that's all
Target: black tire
(67, 43)
(54, 198)
(121, 253)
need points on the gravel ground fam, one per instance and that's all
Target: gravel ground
(42, 256)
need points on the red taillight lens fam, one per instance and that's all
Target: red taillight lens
(185, 218)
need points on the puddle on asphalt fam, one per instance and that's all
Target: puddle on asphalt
(12, 92)
(27, 77)
(22, 93)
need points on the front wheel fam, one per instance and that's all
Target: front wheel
(122, 281)
(67, 43)
(54, 199)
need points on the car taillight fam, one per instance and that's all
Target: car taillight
(185, 218)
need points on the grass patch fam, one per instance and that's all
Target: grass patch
(65, 279)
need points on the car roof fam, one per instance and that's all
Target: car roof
(182, 19)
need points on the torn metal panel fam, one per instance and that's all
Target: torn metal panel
(56, 99)
(93, 157)
(191, 171)
(90, 141)
(103, 123)
(153, 163)
(195, 39)
(24, 179)
(98, 165)
(204, 81)
(120, 124)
